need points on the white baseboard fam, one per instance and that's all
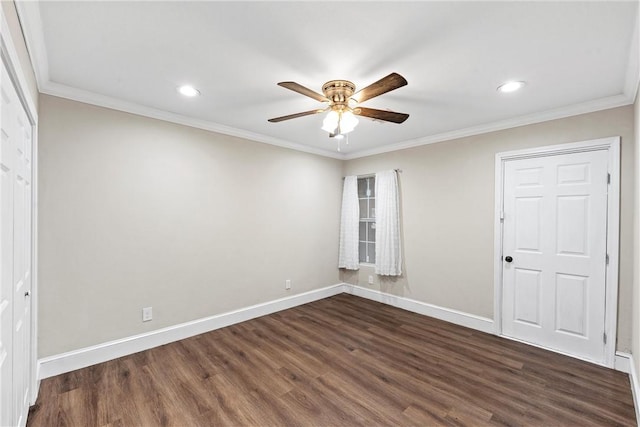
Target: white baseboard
(77, 359)
(622, 362)
(635, 386)
(81, 358)
(448, 315)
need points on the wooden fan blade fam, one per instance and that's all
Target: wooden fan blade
(303, 90)
(384, 85)
(387, 116)
(295, 116)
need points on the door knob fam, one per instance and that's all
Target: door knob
(27, 294)
(508, 258)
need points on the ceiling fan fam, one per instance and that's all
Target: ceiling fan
(343, 103)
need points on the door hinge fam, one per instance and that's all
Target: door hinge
(604, 337)
(501, 215)
(608, 178)
(606, 258)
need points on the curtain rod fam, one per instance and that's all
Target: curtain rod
(373, 174)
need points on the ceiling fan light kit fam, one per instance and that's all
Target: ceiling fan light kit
(339, 122)
(343, 103)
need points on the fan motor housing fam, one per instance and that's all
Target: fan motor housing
(338, 91)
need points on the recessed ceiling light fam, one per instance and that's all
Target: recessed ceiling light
(510, 87)
(188, 90)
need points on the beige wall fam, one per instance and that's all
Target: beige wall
(9, 10)
(137, 212)
(448, 211)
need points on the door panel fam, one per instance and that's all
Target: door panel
(527, 296)
(527, 226)
(571, 298)
(555, 219)
(573, 225)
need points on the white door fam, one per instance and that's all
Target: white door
(7, 161)
(15, 254)
(554, 252)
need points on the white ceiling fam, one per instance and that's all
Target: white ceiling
(576, 57)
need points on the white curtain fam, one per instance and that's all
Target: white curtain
(388, 256)
(349, 223)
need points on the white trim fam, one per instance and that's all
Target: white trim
(613, 245)
(63, 91)
(31, 22)
(635, 387)
(567, 148)
(622, 362)
(497, 247)
(539, 117)
(15, 68)
(632, 77)
(10, 55)
(612, 144)
(35, 295)
(448, 315)
(77, 359)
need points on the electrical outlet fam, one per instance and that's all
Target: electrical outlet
(287, 284)
(147, 314)
(371, 280)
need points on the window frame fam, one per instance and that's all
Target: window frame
(370, 198)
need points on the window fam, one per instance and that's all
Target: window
(367, 237)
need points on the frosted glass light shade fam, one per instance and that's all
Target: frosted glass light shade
(348, 122)
(330, 123)
(342, 123)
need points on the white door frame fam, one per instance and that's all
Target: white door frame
(612, 145)
(9, 56)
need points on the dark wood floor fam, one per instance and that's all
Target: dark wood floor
(342, 361)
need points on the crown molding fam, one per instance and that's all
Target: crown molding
(99, 100)
(31, 22)
(29, 15)
(15, 70)
(543, 116)
(68, 92)
(632, 76)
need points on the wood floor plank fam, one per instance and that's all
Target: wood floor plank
(367, 403)
(341, 361)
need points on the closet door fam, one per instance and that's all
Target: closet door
(7, 164)
(15, 254)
